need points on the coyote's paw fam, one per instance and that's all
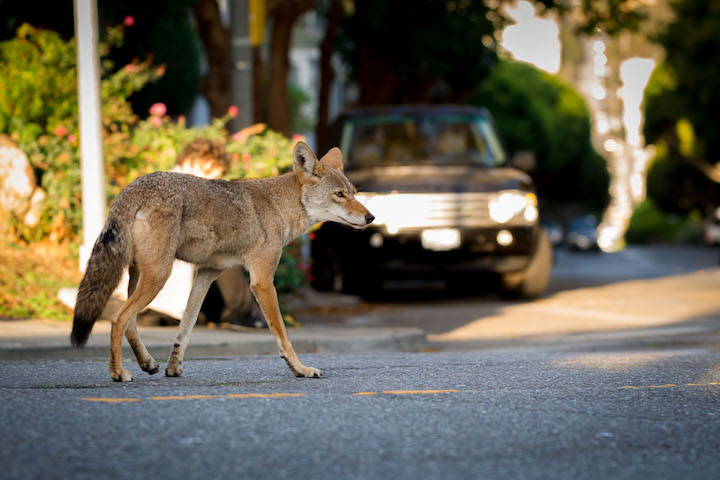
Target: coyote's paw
(173, 371)
(123, 376)
(308, 372)
(150, 366)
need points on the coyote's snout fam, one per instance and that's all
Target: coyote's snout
(214, 224)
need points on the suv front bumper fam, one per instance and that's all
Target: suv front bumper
(375, 249)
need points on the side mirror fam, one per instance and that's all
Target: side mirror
(524, 160)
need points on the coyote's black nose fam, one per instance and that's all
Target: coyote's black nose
(369, 218)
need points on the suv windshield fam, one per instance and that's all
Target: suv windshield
(437, 139)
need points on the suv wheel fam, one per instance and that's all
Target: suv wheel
(327, 274)
(531, 282)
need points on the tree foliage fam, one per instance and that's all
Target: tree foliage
(161, 30)
(536, 111)
(418, 50)
(681, 105)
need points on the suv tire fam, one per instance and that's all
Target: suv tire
(327, 274)
(531, 282)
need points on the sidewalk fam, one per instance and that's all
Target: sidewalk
(33, 338)
(50, 339)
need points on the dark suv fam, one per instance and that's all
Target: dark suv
(445, 201)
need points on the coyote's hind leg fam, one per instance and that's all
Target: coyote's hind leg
(152, 278)
(145, 360)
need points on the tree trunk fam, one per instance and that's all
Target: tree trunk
(376, 78)
(216, 40)
(259, 99)
(327, 74)
(278, 100)
(284, 14)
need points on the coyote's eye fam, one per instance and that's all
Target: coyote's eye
(339, 194)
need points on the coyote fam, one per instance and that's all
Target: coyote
(214, 224)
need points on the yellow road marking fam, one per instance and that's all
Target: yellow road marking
(111, 400)
(262, 395)
(628, 386)
(417, 392)
(267, 395)
(184, 397)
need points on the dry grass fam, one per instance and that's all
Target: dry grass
(30, 277)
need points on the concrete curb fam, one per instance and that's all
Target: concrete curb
(35, 339)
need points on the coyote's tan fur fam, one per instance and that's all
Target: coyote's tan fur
(214, 224)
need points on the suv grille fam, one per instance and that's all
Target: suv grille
(400, 211)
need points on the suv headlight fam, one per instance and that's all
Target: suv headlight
(510, 204)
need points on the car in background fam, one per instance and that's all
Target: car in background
(554, 230)
(581, 233)
(445, 202)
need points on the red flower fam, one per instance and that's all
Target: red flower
(71, 138)
(130, 68)
(60, 131)
(158, 109)
(129, 21)
(233, 111)
(297, 137)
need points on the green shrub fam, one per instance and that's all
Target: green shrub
(649, 224)
(38, 109)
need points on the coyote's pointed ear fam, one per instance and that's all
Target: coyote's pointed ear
(333, 158)
(306, 164)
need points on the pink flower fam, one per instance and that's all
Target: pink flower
(246, 159)
(72, 138)
(297, 137)
(233, 111)
(60, 131)
(158, 109)
(130, 68)
(129, 21)
(156, 121)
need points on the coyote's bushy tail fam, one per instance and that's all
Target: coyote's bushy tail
(110, 255)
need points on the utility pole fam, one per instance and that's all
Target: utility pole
(91, 149)
(240, 63)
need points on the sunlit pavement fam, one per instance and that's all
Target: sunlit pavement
(642, 297)
(650, 414)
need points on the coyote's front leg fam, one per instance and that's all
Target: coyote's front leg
(261, 283)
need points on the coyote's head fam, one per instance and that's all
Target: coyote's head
(327, 194)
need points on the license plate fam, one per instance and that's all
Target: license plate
(440, 239)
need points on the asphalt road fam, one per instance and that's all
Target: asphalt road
(614, 373)
(654, 414)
